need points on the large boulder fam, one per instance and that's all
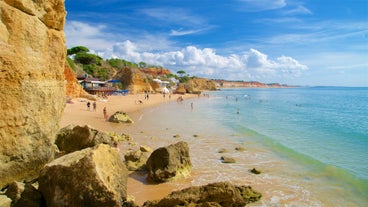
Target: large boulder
(24, 194)
(73, 138)
(169, 163)
(32, 59)
(216, 194)
(90, 177)
(120, 117)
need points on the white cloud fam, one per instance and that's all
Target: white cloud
(79, 33)
(262, 5)
(298, 10)
(158, 50)
(206, 63)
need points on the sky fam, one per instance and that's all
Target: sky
(295, 42)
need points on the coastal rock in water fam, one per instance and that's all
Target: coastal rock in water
(136, 160)
(73, 138)
(216, 194)
(90, 177)
(32, 88)
(120, 117)
(169, 163)
(24, 195)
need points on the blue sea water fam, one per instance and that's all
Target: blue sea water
(327, 124)
(322, 129)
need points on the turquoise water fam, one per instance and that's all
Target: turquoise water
(329, 125)
(311, 143)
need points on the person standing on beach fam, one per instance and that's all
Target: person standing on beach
(88, 105)
(94, 106)
(105, 113)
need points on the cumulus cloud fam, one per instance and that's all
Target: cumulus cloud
(252, 65)
(204, 62)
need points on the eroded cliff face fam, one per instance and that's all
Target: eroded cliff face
(73, 88)
(32, 59)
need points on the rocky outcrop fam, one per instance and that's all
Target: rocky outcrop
(180, 89)
(136, 160)
(73, 138)
(216, 194)
(90, 177)
(23, 194)
(32, 59)
(169, 163)
(73, 88)
(120, 117)
(196, 85)
(155, 71)
(135, 81)
(248, 84)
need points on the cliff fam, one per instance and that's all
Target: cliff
(32, 59)
(73, 88)
(247, 84)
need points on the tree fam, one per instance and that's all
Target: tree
(86, 59)
(181, 72)
(142, 65)
(77, 49)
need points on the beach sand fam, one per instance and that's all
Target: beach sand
(77, 113)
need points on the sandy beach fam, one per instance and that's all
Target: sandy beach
(77, 113)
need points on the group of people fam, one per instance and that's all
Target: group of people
(89, 106)
(94, 105)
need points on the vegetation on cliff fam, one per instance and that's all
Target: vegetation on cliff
(136, 77)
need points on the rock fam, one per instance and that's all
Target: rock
(24, 195)
(169, 163)
(255, 171)
(136, 160)
(176, 136)
(222, 150)
(227, 159)
(90, 177)
(145, 149)
(135, 80)
(5, 201)
(240, 149)
(119, 138)
(216, 194)
(32, 88)
(120, 117)
(180, 89)
(72, 138)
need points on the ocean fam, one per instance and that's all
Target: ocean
(310, 143)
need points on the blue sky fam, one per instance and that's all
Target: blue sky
(303, 42)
